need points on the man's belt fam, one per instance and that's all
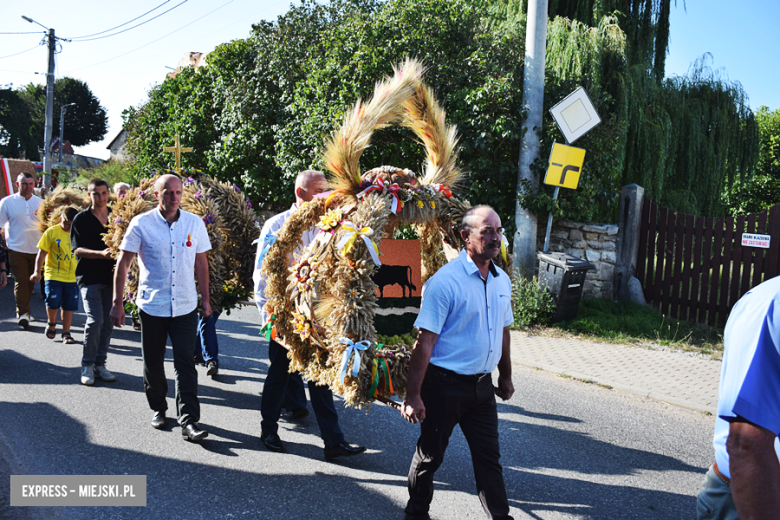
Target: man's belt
(720, 475)
(466, 378)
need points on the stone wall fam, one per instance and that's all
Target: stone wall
(595, 243)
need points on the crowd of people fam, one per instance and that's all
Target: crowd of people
(464, 336)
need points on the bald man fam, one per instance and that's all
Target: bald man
(171, 245)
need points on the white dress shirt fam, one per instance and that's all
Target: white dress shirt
(271, 227)
(166, 261)
(19, 218)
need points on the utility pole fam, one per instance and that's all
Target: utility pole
(63, 108)
(52, 43)
(533, 102)
(49, 112)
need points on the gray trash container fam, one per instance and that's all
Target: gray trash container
(563, 276)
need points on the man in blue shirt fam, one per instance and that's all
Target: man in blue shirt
(464, 335)
(744, 481)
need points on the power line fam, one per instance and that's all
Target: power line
(118, 26)
(133, 27)
(18, 53)
(153, 41)
(29, 32)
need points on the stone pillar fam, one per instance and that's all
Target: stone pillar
(629, 223)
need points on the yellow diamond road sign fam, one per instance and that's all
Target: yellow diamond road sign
(565, 166)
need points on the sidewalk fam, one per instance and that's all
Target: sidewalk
(675, 377)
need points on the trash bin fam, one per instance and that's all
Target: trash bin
(563, 276)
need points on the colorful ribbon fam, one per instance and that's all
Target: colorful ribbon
(443, 189)
(268, 328)
(346, 243)
(385, 366)
(268, 241)
(375, 378)
(504, 246)
(392, 189)
(352, 348)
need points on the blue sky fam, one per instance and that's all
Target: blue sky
(743, 38)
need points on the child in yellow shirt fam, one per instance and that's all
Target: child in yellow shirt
(59, 275)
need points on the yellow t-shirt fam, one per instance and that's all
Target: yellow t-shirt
(60, 263)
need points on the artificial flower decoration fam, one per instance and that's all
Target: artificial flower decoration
(330, 219)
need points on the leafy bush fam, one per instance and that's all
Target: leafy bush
(532, 304)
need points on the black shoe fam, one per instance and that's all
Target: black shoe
(192, 433)
(300, 413)
(273, 442)
(425, 516)
(342, 449)
(213, 369)
(158, 421)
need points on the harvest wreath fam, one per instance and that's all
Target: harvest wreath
(230, 222)
(322, 307)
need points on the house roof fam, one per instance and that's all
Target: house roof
(115, 139)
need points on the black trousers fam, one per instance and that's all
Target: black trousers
(273, 399)
(155, 332)
(452, 399)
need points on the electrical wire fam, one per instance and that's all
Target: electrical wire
(133, 27)
(18, 53)
(29, 32)
(153, 41)
(118, 26)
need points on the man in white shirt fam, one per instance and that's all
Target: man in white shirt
(19, 217)
(308, 184)
(171, 244)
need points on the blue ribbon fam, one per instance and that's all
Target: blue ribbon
(352, 348)
(268, 240)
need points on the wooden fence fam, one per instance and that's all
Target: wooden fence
(696, 268)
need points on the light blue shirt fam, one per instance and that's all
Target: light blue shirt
(271, 227)
(469, 315)
(750, 374)
(166, 261)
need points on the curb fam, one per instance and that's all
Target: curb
(684, 403)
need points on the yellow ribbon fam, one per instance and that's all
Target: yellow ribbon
(352, 234)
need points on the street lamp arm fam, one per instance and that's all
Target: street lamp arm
(33, 21)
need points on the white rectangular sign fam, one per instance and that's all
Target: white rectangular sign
(751, 240)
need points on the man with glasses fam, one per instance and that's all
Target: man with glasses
(464, 334)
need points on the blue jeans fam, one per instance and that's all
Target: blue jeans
(97, 331)
(207, 337)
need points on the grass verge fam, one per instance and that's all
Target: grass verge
(626, 322)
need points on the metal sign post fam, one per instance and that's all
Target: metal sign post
(575, 116)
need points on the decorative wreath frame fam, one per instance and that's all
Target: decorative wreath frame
(322, 307)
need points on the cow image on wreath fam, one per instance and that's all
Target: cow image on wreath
(400, 275)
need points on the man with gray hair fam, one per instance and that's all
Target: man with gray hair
(464, 322)
(19, 217)
(121, 189)
(308, 184)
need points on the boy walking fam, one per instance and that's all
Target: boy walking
(59, 275)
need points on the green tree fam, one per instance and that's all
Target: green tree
(86, 122)
(16, 137)
(762, 191)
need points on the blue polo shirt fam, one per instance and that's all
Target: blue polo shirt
(469, 315)
(750, 374)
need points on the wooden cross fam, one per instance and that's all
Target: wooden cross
(178, 149)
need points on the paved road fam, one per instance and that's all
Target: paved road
(570, 449)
